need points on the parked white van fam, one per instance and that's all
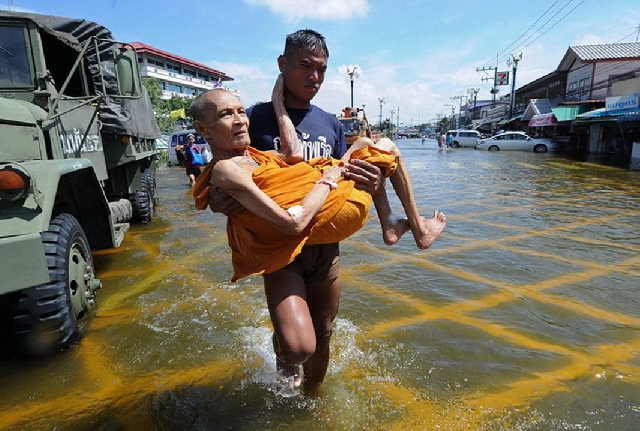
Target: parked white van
(178, 140)
(464, 138)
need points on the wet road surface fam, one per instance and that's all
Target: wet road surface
(524, 314)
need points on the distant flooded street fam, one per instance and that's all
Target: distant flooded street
(525, 314)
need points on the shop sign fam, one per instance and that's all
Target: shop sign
(626, 101)
(502, 78)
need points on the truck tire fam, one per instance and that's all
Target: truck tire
(151, 186)
(121, 211)
(45, 319)
(141, 206)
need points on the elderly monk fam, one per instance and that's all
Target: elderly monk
(291, 203)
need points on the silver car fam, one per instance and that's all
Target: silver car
(518, 141)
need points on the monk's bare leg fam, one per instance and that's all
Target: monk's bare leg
(392, 227)
(425, 231)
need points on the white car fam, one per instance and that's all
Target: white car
(518, 141)
(464, 138)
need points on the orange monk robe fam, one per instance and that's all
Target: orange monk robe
(257, 246)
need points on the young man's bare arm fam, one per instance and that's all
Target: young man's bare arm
(367, 177)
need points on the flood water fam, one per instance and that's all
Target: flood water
(525, 314)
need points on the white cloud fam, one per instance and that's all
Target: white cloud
(253, 82)
(326, 10)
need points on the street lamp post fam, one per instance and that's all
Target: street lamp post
(352, 72)
(512, 99)
(381, 100)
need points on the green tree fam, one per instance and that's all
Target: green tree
(386, 127)
(164, 107)
(153, 88)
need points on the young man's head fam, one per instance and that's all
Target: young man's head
(303, 65)
(306, 39)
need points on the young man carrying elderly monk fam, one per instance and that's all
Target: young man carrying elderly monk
(291, 203)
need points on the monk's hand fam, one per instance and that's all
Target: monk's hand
(221, 202)
(333, 174)
(277, 95)
(367, 177)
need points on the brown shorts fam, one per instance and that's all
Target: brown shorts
(316, 263)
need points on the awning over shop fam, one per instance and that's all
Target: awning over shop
(568, 113)
(542, 120)
(487, 123)
(484, 127)
(603, 114)
(536, 107)
(630, 117)
(509, 120)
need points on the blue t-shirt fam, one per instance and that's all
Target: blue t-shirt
(319, 132)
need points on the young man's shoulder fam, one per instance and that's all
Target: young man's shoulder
(315, 110)
(261, 110)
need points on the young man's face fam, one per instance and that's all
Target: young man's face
(303, 72)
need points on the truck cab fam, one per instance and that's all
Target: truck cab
(356, 126)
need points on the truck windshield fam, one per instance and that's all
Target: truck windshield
(14, 63)
(350, 126)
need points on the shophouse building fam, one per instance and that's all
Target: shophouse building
(590, 103)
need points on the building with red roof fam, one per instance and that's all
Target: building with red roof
(177, 75)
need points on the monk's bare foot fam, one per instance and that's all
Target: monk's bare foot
(430, 229)
(393, 229)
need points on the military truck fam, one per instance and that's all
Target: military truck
(355, 126)
(77, 150)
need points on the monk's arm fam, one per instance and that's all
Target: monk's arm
(238, 183)
(290, 149)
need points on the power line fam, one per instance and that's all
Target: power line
(554, 24)
(527, 30)
(522, 45)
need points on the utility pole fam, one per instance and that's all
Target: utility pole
(473, 92)
(398, 119)
(352, 73)
(494, 89)
(457, 123)
(381, 100)
(512, 99)
(453, 110)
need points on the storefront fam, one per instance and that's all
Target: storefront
(614, 128)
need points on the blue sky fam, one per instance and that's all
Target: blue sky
(416, 54)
